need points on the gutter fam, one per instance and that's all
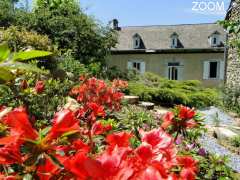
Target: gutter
(169, 51)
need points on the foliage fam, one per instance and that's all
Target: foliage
(231, 97)
(214, 167)
(69, 28)
(41, 100)
(236, 141)
(14, 61)
(150, 87)
(18, 38)
(72, 67)
(132, 117)
(233, 27)
(183, 121)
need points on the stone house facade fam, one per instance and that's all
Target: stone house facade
(176, 52)
(233, 59)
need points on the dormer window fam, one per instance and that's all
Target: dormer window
(214, 39)
(136, 41)
(174, 40)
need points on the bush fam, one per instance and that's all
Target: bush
(70, 65)
(151, 87)
(41, 106)
(19, 38)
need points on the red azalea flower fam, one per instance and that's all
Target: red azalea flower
(46, 170)
(121, 139)
(64, 121)
(167, 120)
(113, 161)
(96, 109)
(83, 167)
(189, 169)
(19, 124)
(24, 84)
(9, 153)
(186, 112)
(98, 128)
(157, 138)
(39, 87)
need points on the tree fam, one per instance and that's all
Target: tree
(69, 28)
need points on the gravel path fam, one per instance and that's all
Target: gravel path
(211, 113)
(211, 144)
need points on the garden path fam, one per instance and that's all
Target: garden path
(211, 144)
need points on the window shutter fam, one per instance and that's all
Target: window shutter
(180, 72)
(143, 67)
(222, 70)
(206, 70)
(129, 65)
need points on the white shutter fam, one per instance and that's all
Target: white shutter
(143, 67)
(222, 70)
(180, 73)
(206, 70)
(129, 65)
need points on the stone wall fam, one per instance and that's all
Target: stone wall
(233, 61)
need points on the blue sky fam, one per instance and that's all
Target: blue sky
(154, 12)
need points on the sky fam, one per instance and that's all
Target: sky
(155, 12)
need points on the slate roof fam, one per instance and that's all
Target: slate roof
(191, 36)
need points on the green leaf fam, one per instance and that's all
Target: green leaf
(25, 67)
(44, 132)
(5, 74)
(4, 52)
(32, 54)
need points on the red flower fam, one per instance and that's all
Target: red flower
(167, 120)
(98, 128)
(189, 169)
(64, 121)
(83, 167)
(46, 170)
(19, 124)
(120, 139)
(181, 120)
(24, 84)
(9, 153)
(96, 110)
(39, 87)
(186, 112)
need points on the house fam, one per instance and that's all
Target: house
(177, 52)
(233, 59)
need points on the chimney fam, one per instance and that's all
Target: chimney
(114, 25)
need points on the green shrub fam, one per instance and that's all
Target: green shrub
(41, 106)
(236, 141)
(70, 65)
(19, 38)
(151, 87)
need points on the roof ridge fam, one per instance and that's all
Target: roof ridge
(168, 25)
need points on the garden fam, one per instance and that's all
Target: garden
(65, 115)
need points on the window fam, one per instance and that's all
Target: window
(213, 69)
(214, 39)
(173, 70)
(174, 40)
(136, 41)
(137, 65)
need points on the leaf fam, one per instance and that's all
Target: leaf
(44, 132)
(24, 66)
(32, 54)
(4, 52)
(5, 74)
